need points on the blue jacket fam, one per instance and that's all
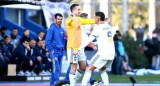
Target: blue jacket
(119, 48)
(55, 38)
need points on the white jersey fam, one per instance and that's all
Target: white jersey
(83, 33)
(104, 35)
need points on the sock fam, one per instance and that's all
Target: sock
(78, 74)
(86, 77)
(72, 78)
(104, 77)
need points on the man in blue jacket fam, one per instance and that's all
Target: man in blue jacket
(55, 44)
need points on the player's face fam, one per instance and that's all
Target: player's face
(96, 18)
(58, 20)
(77, 11)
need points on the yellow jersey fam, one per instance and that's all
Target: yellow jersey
(74, 31)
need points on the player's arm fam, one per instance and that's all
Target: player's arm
(69, 22)
(87, 21)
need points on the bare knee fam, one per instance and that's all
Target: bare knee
(82, 65)
(73, 67)
(90, 67)
(102, 69)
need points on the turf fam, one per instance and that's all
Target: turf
(125, 78)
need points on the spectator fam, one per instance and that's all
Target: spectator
(40, 36)
(150, 50)
(3, 63)
(34, 58)
(117, 66)
(6, 47)
(156, 59)
(14, 39)
(40, 50)
(25, 35)
(2, 32)
(21, 58)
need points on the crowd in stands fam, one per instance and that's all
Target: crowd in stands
(152, 50)
(30, 55)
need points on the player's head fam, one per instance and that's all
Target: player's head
(84, 15)
(75, 9)
(58, 19)
(99, 17)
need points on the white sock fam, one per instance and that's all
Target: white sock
(72, 78)
(104, 77)
(86, 77)
(78, 74)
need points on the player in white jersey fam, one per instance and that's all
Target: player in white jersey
(103, 33)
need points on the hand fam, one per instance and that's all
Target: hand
(75, 52)
(49, 59)
(95, 48)
(39, 58)
(31, 63)
(52, 52)
(91, 44)
(28, 47)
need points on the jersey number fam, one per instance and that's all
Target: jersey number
(109, 34)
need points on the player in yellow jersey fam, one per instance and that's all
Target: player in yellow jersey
(73, 25)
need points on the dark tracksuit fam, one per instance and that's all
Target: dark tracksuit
(55, 42)
(7, 49)
(41, 52)
(20, 57)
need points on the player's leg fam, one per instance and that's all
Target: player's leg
(72, 75)
(92, 81)
(87, 75)
(81, 69)
(89, 70)
(104, 75)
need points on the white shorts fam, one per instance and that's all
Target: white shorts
(80, 57)
(98, 62)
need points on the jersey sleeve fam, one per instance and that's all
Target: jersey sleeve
(86, 21)
(94, 35)
(69, 23)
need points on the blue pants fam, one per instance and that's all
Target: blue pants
(68, 71)
(56, 61)
(117, 66)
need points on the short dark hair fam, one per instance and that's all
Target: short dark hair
(101, 15)
(25, 30)
(3, 28)
(32, 39)
(40, 32)
(73, 7)
(25, 40)
(83, 15)
(14, 29)
(38, 40)
(58, 14)
(6, 36)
